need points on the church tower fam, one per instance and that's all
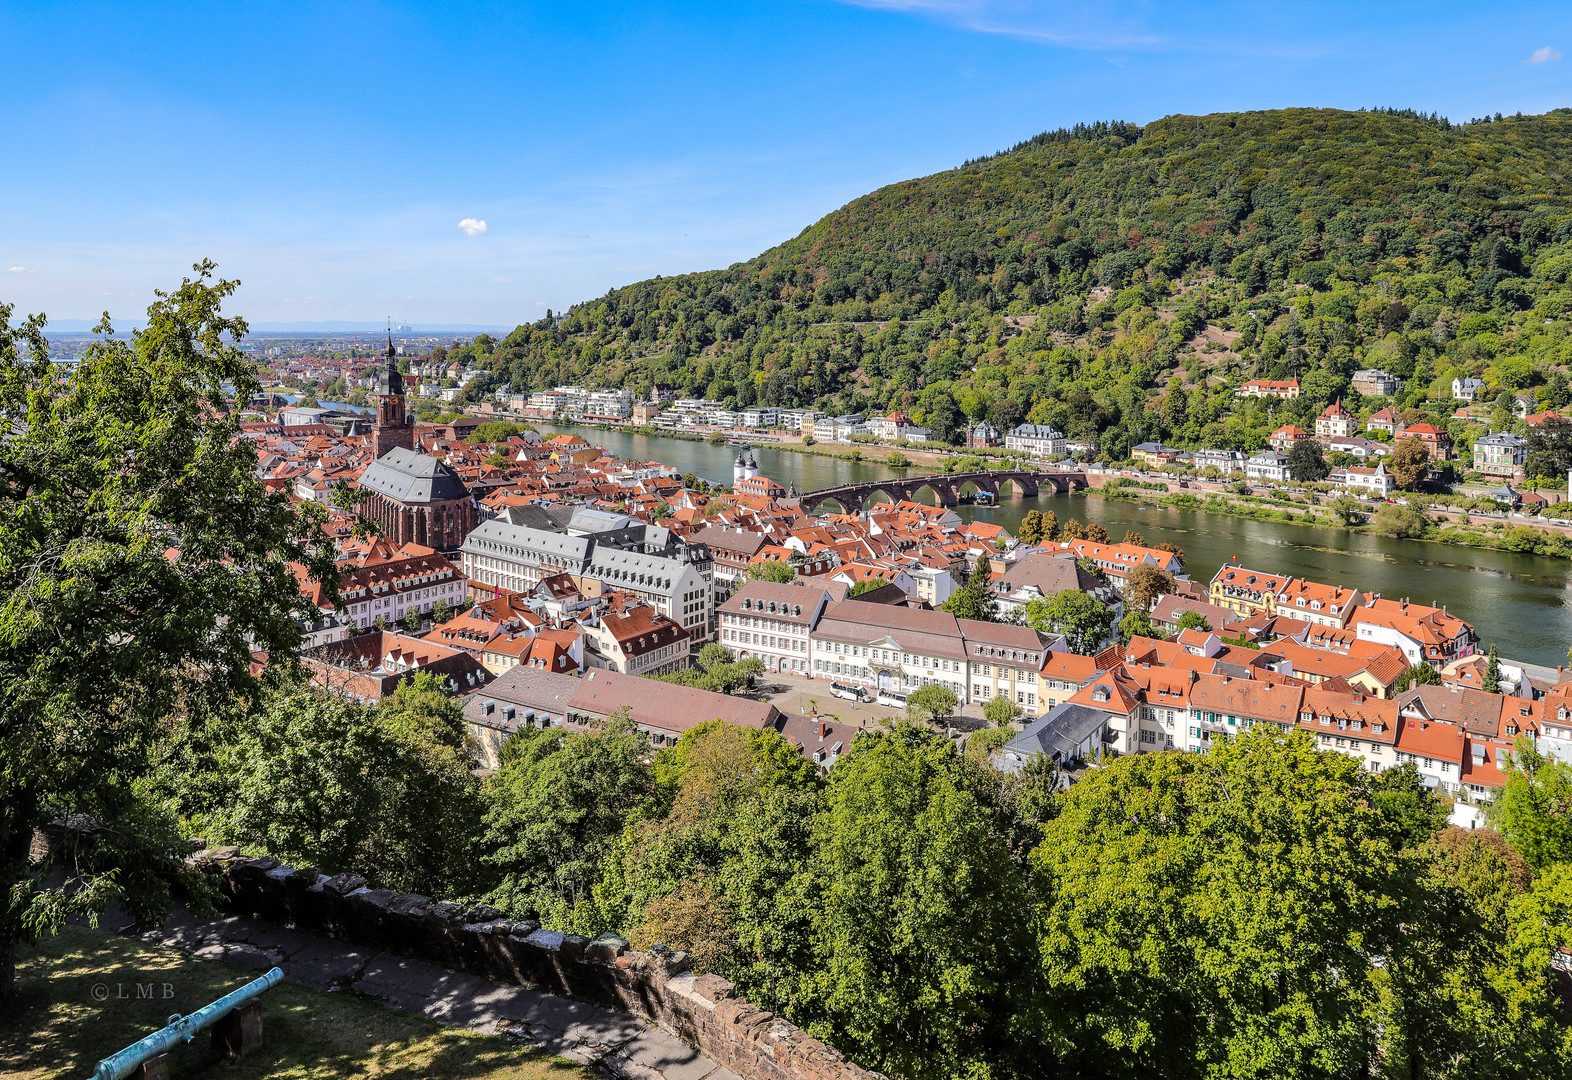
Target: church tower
(392, 427)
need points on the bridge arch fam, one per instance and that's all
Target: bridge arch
(833, 504)
(1017, 485)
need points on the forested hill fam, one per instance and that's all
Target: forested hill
(1118, 280)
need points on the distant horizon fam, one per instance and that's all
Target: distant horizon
(456, 169)
(84, 327)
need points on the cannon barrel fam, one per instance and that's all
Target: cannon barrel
(181, 1029)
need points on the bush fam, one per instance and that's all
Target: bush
(1401, 522)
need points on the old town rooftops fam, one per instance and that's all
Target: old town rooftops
(1296, 592)
(768, 599)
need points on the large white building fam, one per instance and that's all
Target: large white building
(1039, 440)
(601, 552)
(896, 650)
(773, 621)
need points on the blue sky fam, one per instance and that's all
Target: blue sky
(325, 154)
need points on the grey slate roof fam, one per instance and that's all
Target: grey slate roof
(1058, 735)
(409, 477)
(525, 688)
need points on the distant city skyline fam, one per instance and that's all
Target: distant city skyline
(478, 164)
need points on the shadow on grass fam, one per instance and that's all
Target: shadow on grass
(85, 994)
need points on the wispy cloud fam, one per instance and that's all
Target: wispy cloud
(473, 226)
(16, 269)
(1544, 55)
(1081, 24)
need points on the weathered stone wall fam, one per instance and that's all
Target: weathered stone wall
(700, 1009)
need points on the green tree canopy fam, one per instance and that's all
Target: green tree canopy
(975, 599)
(779, 572)
(933, 701)
(555, 808)
(1306, 462)
(1534, 809)
(141, 563)
(1083, 621)
(1000, 711)
(315, 780)
(921, 945)
(1248, 913)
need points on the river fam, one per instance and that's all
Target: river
(1521, 603)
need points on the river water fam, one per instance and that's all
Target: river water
(1521, 603)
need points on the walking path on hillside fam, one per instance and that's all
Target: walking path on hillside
(617, 1044)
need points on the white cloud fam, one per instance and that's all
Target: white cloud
(473, 226)
(1544, 55)
(1084, 24)
(16, 269)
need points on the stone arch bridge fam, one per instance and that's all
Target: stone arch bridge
(947, 487)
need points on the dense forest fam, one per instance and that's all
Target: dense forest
(1118, 281)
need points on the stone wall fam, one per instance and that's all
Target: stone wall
(700, 1009)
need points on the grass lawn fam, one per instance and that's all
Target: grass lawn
(58, 1027)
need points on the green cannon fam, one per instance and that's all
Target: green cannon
(182, 1029)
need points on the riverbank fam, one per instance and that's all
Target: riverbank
(864, 453)
(1443, 526)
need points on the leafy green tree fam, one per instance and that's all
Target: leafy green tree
(975, 599)
(717, 675)
(1409, 464)
(495, 431)
(311, 779)
(982, 744)
(1400, 522)
(1084, 622)
(1031, 532)
(1349, 510)
(1050, 531)
(866, 585)
(779, 572)
(554, 810)
(933, 701)
(1492, 683)
(1418, 675)
(1534, 809)
(1145, 585)
(1000, 711)
(689, 875)
(1306, 462)
(944, 419)
(1549, 451)
(1136, 623)
(1401, 796)
(921, 950)
(715, 654)
(141, 563)
(1230, 882)
(1475, 1000)
(1192, 620)
(440, 612)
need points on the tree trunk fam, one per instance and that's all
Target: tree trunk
(7, 970)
